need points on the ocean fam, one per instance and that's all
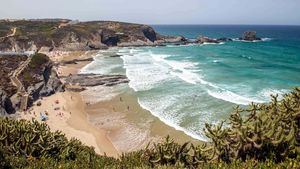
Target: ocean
(188, 86)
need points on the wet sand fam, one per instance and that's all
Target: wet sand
(131, 127)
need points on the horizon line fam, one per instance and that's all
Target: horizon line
(162, 24)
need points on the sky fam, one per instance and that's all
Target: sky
(266, 12)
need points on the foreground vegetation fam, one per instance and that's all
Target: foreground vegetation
(259, 136)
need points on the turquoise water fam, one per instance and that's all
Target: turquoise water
(188, 86)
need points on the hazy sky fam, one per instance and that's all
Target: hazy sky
(159, 11)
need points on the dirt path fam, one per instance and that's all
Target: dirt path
(14, 30)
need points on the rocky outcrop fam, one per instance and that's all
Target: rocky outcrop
(170, 39)
(250, 36)
(6, 106)
(89, 80)
(204, 39)
(50, 85)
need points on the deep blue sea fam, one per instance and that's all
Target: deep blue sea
(188, 86)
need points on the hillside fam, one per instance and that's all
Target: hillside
(66, 35)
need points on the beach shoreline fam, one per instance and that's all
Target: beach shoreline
(112, 125)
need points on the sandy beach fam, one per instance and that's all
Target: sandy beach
(111, 122)
(66, 110)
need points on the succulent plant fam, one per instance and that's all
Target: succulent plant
(260, 131)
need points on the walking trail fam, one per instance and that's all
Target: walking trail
(16, 82)
(14, 30)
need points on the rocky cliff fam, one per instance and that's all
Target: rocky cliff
(37, 79)
(48, 35)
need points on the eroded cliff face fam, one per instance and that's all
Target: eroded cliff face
(6, 106)
(37, 79)
(45, 35)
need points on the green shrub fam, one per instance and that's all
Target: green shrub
(37, 60)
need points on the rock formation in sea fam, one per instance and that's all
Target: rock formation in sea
(204, 39)
(250, 36)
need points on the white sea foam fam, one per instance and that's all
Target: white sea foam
(209, 43)
(170, 122)
(247, 57)
(145, 69)
(232, 97)
(100, 65)
(262, 39)
(181, 69)
(266, 93)
(266, 39)
(142, 72)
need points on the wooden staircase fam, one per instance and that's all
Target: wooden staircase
(16, 82)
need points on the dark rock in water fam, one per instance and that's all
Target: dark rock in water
(170, 39)
(6, 106)
(250, 36)
(89, 80)
(224, 39)
(203, 39)
(115, 56)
